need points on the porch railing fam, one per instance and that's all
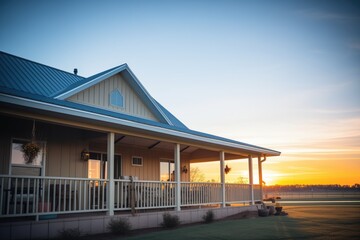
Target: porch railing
(33, 196)
(200, 193)
(26, 195)
(144, 194)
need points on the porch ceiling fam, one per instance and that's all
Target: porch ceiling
(196, 154)
(142, 143)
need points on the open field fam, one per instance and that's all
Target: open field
(303, 222)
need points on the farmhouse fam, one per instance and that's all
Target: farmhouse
(77, 151)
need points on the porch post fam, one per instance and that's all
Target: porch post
(177, 177)
(260, 177)
(222, 177)
(110, 163)
(251, 180)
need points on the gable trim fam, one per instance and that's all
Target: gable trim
(159, 113)
(90, 83)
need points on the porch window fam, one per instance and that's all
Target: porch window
(98, 167)
(137, 161)
(167, 170)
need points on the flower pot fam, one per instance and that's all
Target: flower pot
(278, 210)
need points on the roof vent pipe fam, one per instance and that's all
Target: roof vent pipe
(75, 71)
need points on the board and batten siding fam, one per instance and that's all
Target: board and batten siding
(99, 96)
(150, 170)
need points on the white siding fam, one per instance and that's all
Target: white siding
(99, 96)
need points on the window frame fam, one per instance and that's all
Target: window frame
(113, 102)
(103, 164)
(137, 165)
(170, 163)
(42, 166)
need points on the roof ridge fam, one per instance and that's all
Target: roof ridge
(84, 81)
(42, 64)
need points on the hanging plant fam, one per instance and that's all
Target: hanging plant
(31, 150)
(227, 169)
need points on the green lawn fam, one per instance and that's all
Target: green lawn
(303, 222)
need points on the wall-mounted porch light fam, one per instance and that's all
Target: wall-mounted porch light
(184, 169)
(85, 155)
(227, 169)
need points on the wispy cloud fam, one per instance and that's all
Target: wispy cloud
(328, 16)
(355, 45)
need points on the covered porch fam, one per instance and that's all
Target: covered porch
(90, 168)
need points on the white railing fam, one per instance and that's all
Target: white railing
(237, 193)
(240, 193)
(26, 195)
(257, 193)
(144, 194)
(200, 193)
(34, 196)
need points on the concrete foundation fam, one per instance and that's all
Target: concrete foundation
(48, 229)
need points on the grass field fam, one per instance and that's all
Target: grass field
(303, 222)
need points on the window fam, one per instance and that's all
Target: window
(97, 166)
(116, 99)
(20, 166)
(137, 161)
(167, 170)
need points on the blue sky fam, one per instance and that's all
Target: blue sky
(280, 74)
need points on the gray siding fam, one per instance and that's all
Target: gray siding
(150, 170)
(64, 146)
(99, 96)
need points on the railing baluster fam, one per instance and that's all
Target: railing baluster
(21, 195)
(70, 193)
(15, 195)
(85, 196)
(65, 189)
(103, 195)
(54, 195)
(2, 192)
(75, 194)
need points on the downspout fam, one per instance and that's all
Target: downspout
(260, 174)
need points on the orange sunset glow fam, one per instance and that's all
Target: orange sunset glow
(283, 75)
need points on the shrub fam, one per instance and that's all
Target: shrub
(170, 221)
(69, 234)
(208, 217)
(119, 226)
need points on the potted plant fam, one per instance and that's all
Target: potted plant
(278, 208)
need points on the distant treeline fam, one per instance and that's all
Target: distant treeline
(309, 188)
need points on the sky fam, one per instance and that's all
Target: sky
(279, 74)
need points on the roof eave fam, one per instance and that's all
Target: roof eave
(31, 103)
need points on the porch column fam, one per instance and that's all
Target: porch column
(222, 177)
(251, 180)
(177, 177)
(110, 163)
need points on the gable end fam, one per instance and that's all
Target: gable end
(114, 94)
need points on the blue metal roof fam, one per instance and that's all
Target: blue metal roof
(28, 76)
